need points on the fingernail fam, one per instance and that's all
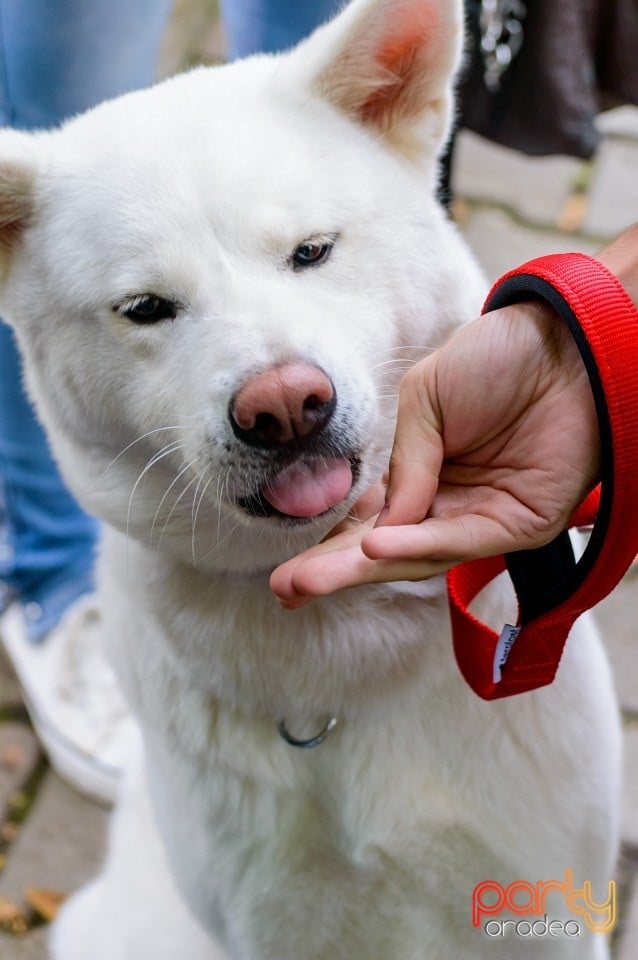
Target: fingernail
(292, 604)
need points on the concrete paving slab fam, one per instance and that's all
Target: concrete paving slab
(535, 187)
(627, 949)
(10, 696)
(613, 194)
(629, 820)
(501, 244)
(617, 617)
(621, 122)
(30, 947)
(60, 846)
(20, 754)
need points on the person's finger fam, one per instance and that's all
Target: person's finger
(451, 540)
(320, 575)
(369, 504)
(344, 535)
(417, 452)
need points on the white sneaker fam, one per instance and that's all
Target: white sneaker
(73, 698)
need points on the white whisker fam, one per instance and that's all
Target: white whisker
(139, 439)
(195, 510)
(181, 473)
(419, 347)
(164, 452)
(177, 500)
(403, 361)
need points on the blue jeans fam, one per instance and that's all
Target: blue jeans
(267, 26)
(57, 58)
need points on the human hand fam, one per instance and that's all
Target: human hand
(496, 444)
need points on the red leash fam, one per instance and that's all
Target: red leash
(551, 588)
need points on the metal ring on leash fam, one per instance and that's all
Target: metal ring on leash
(306, 744)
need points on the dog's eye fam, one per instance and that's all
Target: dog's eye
(148, 308)
(311, 253)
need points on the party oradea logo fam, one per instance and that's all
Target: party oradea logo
(528, 903)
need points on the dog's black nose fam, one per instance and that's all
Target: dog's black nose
(283, 406)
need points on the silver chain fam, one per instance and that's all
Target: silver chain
(501, 23)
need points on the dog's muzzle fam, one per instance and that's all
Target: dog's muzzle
(286, 413)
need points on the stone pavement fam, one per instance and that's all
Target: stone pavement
(510, 208)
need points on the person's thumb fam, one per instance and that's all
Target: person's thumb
(417, 452)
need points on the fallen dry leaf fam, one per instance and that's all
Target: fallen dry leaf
(9, 912)
(46, 903)
(12, 757)
(572, 214)
(9, 832)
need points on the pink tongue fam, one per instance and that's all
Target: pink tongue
(307, 489)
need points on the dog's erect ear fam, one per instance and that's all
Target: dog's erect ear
(17, 174)
(390, 64)
(16, 200)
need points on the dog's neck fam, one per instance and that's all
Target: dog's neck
(227, 636)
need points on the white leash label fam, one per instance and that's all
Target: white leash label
(505, 643)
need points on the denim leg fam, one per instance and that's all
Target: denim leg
(57, 57)
(267, 26)
(46, 552)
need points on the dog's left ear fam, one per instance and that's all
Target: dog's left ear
(16, 200)
(390, 64)
(17, 175)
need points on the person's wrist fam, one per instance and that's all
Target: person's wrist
(564, 366)
(621, 257)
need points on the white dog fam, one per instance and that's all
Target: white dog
(211, 282)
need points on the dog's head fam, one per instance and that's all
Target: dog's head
(217, 283)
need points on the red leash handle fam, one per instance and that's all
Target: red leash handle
(552, 589)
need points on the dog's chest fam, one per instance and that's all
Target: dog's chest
(260, 830)
(254, 826)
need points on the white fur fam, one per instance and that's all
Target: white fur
(368, 847)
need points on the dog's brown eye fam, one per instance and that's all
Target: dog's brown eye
(148, 308)
(310, 253)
